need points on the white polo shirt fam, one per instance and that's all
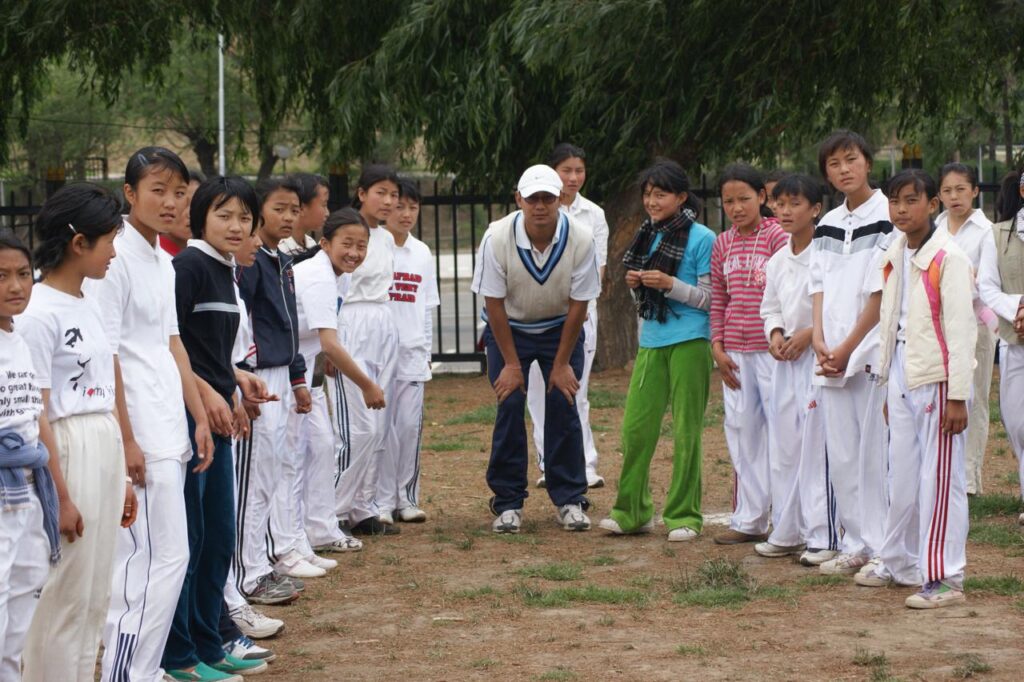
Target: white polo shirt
(975, 230)
(845, 266)
(70, 352)
(318, 296)
(371, 281)
(136, 300)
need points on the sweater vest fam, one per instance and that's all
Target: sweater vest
(1010, 257)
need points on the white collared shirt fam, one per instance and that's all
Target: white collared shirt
(975, 230)
(590, 215)
(318, 298)
(136, 300)
(786, 305)
(371, 281)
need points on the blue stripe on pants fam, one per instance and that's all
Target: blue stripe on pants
(564, 465)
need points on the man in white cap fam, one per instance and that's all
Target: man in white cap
(536, 270)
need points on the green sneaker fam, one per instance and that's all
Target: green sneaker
(204, 673)
(232, 664)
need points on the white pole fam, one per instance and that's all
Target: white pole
(222, 161)
(981, 195)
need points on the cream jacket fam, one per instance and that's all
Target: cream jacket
(931, 357)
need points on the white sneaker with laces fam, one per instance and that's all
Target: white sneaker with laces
(773, 551)
(816, 557)
(682, 534)
(872, 564)
(844, 564)
(254, 624)
(571, 517)
(300, 569)
(321, 562)
(411, 515)
(346, 544)
(386, 517)
(248, 650)
(613, 527)
(594, 480)
(875, 576)
(508, 521)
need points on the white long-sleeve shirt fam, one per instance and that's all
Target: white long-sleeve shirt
(990, 284)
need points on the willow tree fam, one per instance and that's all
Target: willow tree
(489, 86)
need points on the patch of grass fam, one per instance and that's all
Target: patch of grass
(600, 428)
(823, 580)
(714, 597)
(484, 414)
(994, 415)
(724, 583)
(970, 665)
(603, 560)
(520, 539)
(866, 659)
(999, 452)
(643, 582)
(558, 673)
(691, 650)
(557, 571)
(714, 414)
(483, 663)
(587, 594)
(606, 621)
(450, 445)
(465, 544)
(1019, 605)
(995, 504)
(603, 399)
(1012, 478)
(996, 535)
(391, 560)
(1005, 585)
(668, 552)
(475, 593)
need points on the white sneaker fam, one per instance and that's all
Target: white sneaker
(542, 482)
(254, 624)
(509, 521)
(248, 650)
(682, 534)
(411, 515)
(385, 517)
(571, 517)
(613, 527)
(594, 481)
(321, 562)
(875, 576)
(934, 595)
(300, 569)
(346, 544)
(816, 557)
(773, 551)
(844, 564)
(872, 564)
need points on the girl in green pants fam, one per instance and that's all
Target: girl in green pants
(668, 267)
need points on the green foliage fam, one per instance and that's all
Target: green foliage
(996, 534)
(559, 571)
(995, 504)
(483, 414)
(1004, 585)
(587, 594)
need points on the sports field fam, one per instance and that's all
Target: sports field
(449, 600)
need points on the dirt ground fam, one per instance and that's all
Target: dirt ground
(449, 600)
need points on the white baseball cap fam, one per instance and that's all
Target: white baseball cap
(539, 178)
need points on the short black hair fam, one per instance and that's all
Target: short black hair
(668, 175)
(748, 175)
(775, 175)
(564, 151)
(407, 189)
(371, 175)
(267, 186)
(799, 185)
(9, 240)
(839, 140)
(195, 175)
(307, 184)
(217, 191)
(916, 178)
(150, 159)
(341, 218)
(962, 169)
(82, 208)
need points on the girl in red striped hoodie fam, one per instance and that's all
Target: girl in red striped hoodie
(739, 347)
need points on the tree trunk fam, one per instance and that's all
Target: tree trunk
(268, 159)
(617, 320)
(206, 153)
(1007, 122)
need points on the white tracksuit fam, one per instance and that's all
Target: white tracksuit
(316, 443)
(24, 565)
(413, 299)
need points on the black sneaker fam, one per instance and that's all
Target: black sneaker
(374, 526)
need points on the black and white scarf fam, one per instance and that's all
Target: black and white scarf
(651, 303)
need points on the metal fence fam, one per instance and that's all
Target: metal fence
(451, 224)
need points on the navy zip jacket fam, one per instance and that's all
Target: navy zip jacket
(268, 289)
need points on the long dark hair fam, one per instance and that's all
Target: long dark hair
(81, 208)
(667, 175)
(748, 175)
(1009, 201)
(371, 175)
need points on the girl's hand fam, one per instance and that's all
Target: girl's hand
(374, 397)
(776, 344)
(632, 278)
(509, 380)
(821, 351)
(242, 422)
(656, 279)
(797, 344)
(131, 506)
(71, 525)
(303, 401)
(220, 415)
(564, 379)
(204, 448)
(135, 463)
(726, 367)
(955, 419)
